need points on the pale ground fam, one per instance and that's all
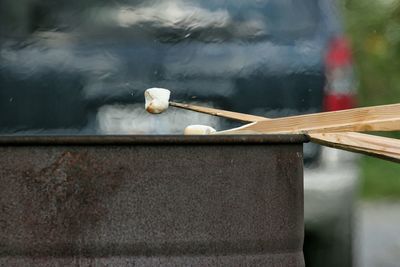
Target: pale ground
(378, 234)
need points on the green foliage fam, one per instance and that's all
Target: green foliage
(380, 178)
(374, 30)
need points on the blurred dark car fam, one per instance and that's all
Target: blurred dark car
(81, 67)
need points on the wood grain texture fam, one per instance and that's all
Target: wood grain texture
(362, 119)
(219, 112)
(376, 118)
(381, 147)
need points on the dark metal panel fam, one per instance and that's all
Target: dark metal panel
(222, 204)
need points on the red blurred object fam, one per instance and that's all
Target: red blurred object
(334, 102)
(340, 86)
(339, 53)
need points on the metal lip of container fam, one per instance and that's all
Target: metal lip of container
(150, 139)
(152, 200)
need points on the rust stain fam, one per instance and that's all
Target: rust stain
(66, 196)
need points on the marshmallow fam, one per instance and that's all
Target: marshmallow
(157, 100)
(199, 130)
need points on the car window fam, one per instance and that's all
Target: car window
(95, 58)
(173, 20)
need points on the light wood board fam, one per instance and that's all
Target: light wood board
(382, 147)
(376, 118)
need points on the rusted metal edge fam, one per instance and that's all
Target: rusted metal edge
(153, 139)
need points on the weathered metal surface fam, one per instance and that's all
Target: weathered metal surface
(151, 201)
(152, 139)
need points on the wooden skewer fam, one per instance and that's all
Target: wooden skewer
(382, 147)
(219, 112)
(375, 118)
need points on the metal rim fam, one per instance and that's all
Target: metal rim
(153, 139)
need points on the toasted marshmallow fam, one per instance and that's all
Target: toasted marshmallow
(157, 100)
(199, 130)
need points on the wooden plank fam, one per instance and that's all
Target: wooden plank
(219, 112)
(381, 147)
(377, 146)
(376, 118)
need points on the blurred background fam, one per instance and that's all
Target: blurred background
(98, 56)
(374, 30)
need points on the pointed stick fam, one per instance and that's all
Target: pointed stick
(381, 147)
(219, 112)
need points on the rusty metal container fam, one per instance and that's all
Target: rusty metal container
(151, 201)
